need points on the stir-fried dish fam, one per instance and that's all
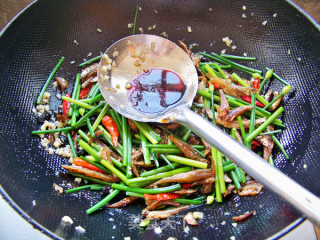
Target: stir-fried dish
(165, 165)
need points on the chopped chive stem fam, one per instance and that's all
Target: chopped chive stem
(146, 151)
(171, 188)
(211, 64)
(187, 201)
(269, 132)
(268, 75)
(186, 161)
(90, 150)
(103, 202)
(217, 187)
(159, 170)
(243, 58)
(89, 114)
(124, 140)
(167, 161)
(65, 129)
(142, 127)
(236, 65)
(223, 75)
(73, 150)
(72, 190)
(253, 116)
(44, 88)
(214, 58)
(155, 159)
(278, 77)
(264, 125)
(78, 102)
(93, 90)
(243, 132)
(97, 98)
(115, 118)
(140, 195)
(115, 171)
(271, 160)
(169, 132)
(186, 135)
(90, 128)
(95, 180)
(96, 164)
(240, 80)
(73, 97)
(100, 116)
(159, 175)
(152, 131)
(210, 70)
(135, 20)
(219, 166)
(129, 152)
(229, 167)
(241, 175)
(96, 92)
(87, 139)
(90, 92)
(262, 100)
(235, 179)
(278, 143)
(200, 153)
(118, 164)
(75, 108)
(97, 58)
(226, 163)
(199, 147)
(107, 137)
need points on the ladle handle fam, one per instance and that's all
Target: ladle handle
(299, 197)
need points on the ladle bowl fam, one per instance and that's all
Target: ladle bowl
(129, 56)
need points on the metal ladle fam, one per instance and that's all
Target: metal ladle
(131, 55)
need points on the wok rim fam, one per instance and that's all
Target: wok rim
(286, 230)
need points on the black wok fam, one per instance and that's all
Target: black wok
(32, 45)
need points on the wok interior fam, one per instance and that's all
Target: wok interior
(157, 52)
(34, 43)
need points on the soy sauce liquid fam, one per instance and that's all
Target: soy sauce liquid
(155, 90)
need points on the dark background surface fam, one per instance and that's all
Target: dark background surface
(17, 111)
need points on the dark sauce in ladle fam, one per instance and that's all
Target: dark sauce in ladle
(155, 90)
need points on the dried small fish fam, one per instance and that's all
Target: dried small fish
(162, 214)
(151, 205)
(91, 173)
(243, 217)
(123, 202)
(63, 84)
(250, 188)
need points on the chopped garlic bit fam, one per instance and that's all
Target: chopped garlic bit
(34, 203)
(141, 29)
(186, 229)
(157, 230)
(223, 51)
(140, 8)
(197, 215)
(223, 223)
(130, 25)
(154, 26)
(243, 15)
(127, 238)
(264, 22)
(99, 30)
(115, 54)
(274, 15)
(77, 180)
(89, 54)
(245, 54)
(210, 9)
(149, 28)
(234, 47)
(67, 219)
(227, 41)
(72, 62)
(75, 42)
(57, 188)
(45, 98)
(80, 229)
(305, 166)
(164, 34)
(189, 29)
(299, 59)
(244, 7)
(232, 238)
(155, 11)
(288, 51)
(234, 224)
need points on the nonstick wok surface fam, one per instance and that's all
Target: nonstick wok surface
(32, 45)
